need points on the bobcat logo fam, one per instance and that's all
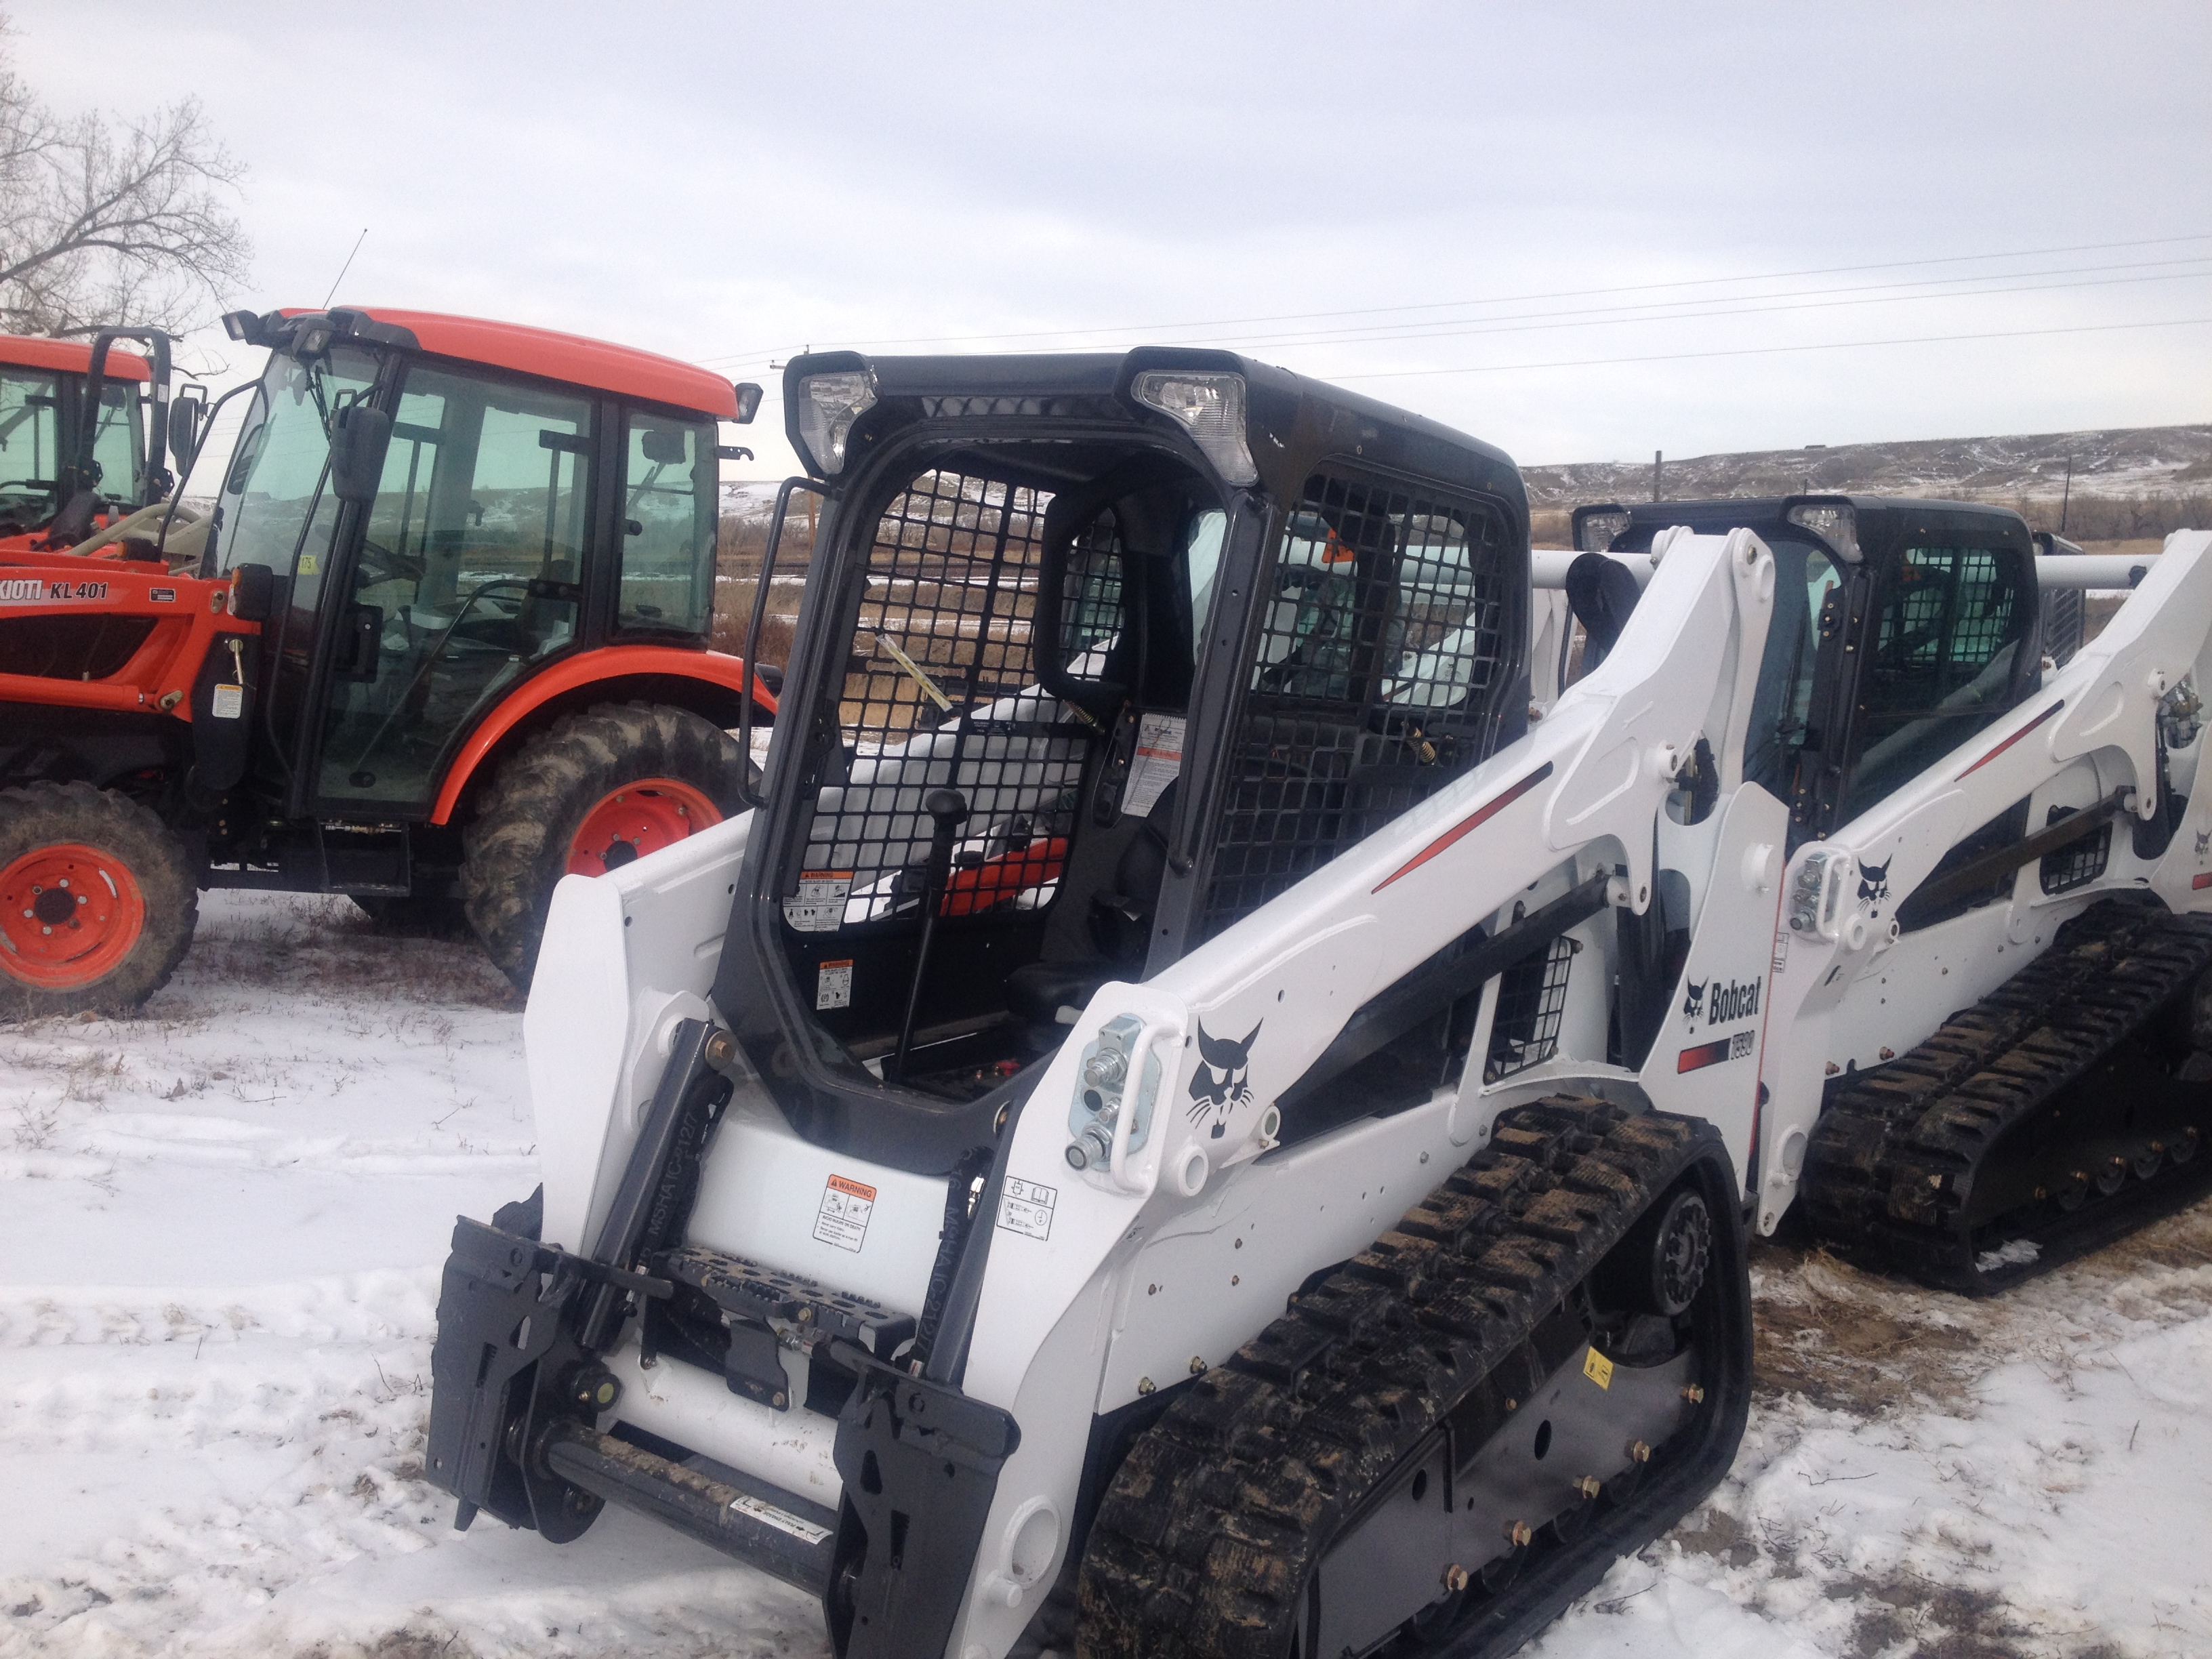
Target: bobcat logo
(2203, 842)
(1874, 881)
(1693, 1005)
(1222, 1082)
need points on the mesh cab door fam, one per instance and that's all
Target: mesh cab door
(1378, 662)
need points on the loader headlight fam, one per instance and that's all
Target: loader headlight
(1596, 526)
(1211, 407)
(1832, 521)
(827, 406)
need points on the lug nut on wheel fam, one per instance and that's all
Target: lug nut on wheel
(1517, 1534)
(1589, 1485)
(1638, 1452)
(1455, 1577)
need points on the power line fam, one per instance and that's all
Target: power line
(765, 354)
(1578, 320)
(1761, 351)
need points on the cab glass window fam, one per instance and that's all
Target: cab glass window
(275, 509)
(118, 442)
(670, 480)
(1949, 626)
(30, 445)
(467, 576)
(1804, 576)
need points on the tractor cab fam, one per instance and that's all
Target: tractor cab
(1098, 654)
(84, 428)
(451, 508)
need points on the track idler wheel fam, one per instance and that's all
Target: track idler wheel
(1660, 1267)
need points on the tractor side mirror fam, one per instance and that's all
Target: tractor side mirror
(187, 423)
(664, 445)
(749, 401)
(359, 437)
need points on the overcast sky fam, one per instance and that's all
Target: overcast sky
(1476, 211)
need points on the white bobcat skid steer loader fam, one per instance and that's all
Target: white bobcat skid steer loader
(1139, 1143)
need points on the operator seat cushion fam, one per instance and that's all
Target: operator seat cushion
(1120, 928)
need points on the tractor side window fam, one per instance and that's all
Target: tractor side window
(669, 524)
(1949, 624)
(1804, 576)
(468, 576)
(1090, 598)
(119, 444)
(1381, 652)
(30, 445)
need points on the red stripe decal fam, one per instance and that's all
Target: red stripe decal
(2201, 882)
(1468, 826)
(1706, 1054)
(2014, 738)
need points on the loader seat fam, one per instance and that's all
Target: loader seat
(1121, 928)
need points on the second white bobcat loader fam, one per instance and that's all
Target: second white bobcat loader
(1182, 1125)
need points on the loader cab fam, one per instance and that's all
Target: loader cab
(58, 436)
(1901, 627)
(1098, 654)
(451, 507)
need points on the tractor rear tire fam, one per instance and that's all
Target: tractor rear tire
(97, 901)
(524, 836)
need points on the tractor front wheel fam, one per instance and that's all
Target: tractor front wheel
(97, 901)
(590, 794)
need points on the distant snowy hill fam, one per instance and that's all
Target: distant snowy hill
(2130, 461)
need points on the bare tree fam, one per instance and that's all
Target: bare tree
(105, 221)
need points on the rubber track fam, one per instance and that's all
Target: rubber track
(1222, 1511)
(1891, 1166)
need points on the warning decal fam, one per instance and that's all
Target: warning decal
(818, 906)
(783, 1519)
(842, 1220)
(1025, 1207)
(1155, 764)
(1598, 1369)
(832, 985)
(228, 702)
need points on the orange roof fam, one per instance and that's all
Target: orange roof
(70, 357)
(594, 363)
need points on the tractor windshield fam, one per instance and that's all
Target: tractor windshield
(119, 442)
(276, 511)
(30, 444)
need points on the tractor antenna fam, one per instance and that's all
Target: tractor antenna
(342, 269)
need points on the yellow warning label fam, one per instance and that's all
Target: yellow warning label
(1598, 1369)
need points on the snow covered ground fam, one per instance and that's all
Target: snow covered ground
(220, 1225)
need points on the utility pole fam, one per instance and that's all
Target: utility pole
(1656, 457)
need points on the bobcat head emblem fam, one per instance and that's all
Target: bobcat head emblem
(1222, 1082)
(1694, 1003)
(2203, 842)
(1874, 881)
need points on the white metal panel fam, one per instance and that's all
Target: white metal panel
(761, 1196)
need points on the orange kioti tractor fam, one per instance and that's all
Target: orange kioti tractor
(441, 639)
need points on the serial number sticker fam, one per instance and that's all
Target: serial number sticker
(1781, 959)
(832, 985)
(783, 1519)
(818, 906)
(842, 1220)
(162, 595)
(228, 702)
(1598, 1369)
(1025, 1207)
